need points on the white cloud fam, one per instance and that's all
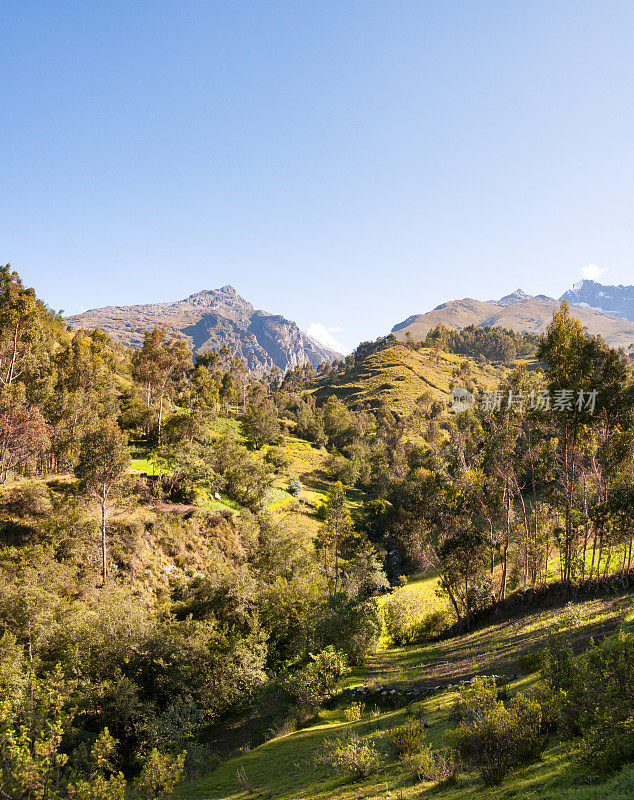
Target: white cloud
(325, 337)
(592, 272)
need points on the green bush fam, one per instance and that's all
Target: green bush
(316, 682)
(352, 755)
(597, 691)
(277, 458)
(532, 661)
(407, 738)
(570, 617)
(403, 611)
(434, 765)
(494, 737)
(430, 626)
(354, 712)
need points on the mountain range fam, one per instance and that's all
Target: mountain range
(614, 320)
(213, 318)
(210, 319)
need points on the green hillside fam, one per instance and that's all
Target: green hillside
(288, 767)
(398, 375)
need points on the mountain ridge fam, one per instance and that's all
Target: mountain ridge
(210, 319)
(520, 312)
(618, 300)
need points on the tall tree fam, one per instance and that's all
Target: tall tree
(335, 535)
(23, 435)
(161, 365)
(25, 332)
(103, 461)
(586, 379)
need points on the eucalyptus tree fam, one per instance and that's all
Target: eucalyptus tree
(161, 365)
(103, 462)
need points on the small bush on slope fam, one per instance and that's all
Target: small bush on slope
(597, 692)
(352, 755)
(494, 737)
(407, 738)
(434, 765)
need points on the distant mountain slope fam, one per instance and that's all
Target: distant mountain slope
(398, 375)
(618, 300)
(519, 312)
(210, 319)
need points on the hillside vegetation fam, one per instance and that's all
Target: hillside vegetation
(398, 376)
(208, 578)
(428, 680)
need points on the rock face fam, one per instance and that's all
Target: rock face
(520, 312)
(617, 300)
(210, 319)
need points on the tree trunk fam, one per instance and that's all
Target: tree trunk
(104, 568)
(160, 419)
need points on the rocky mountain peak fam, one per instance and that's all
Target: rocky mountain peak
(515, 297)
(617, 300)
(210, 319)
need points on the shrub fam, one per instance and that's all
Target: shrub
(434, 765)
(295, 486)
(494, 737)
(597, 691)
(527, 740)
(316, 682)
(486, 742)
(407, 738)
(532, 661)
(354, 627)
(354, 712)
(430, 626)
(570, 617)
(277, 458)
(402, 612)
(159, 776)
(352, 755)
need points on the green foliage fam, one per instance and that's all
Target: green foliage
(277, 458)
(261, 425)
(494, 344)
(354, 712)
(33, 763)
(494, 737)
(350, 625)
(159, 775)
(352, 755)
(597, 698)
(407, 738)
(403, 614)
(437, 766)
(310, 685)
(103, 460)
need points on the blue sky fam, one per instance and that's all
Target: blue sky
(344, 163)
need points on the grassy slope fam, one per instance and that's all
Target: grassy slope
(306, 462)
(287, 768)
(398, 375)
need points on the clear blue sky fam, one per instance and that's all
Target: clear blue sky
(347, 162)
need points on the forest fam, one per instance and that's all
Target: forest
(186, 551)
